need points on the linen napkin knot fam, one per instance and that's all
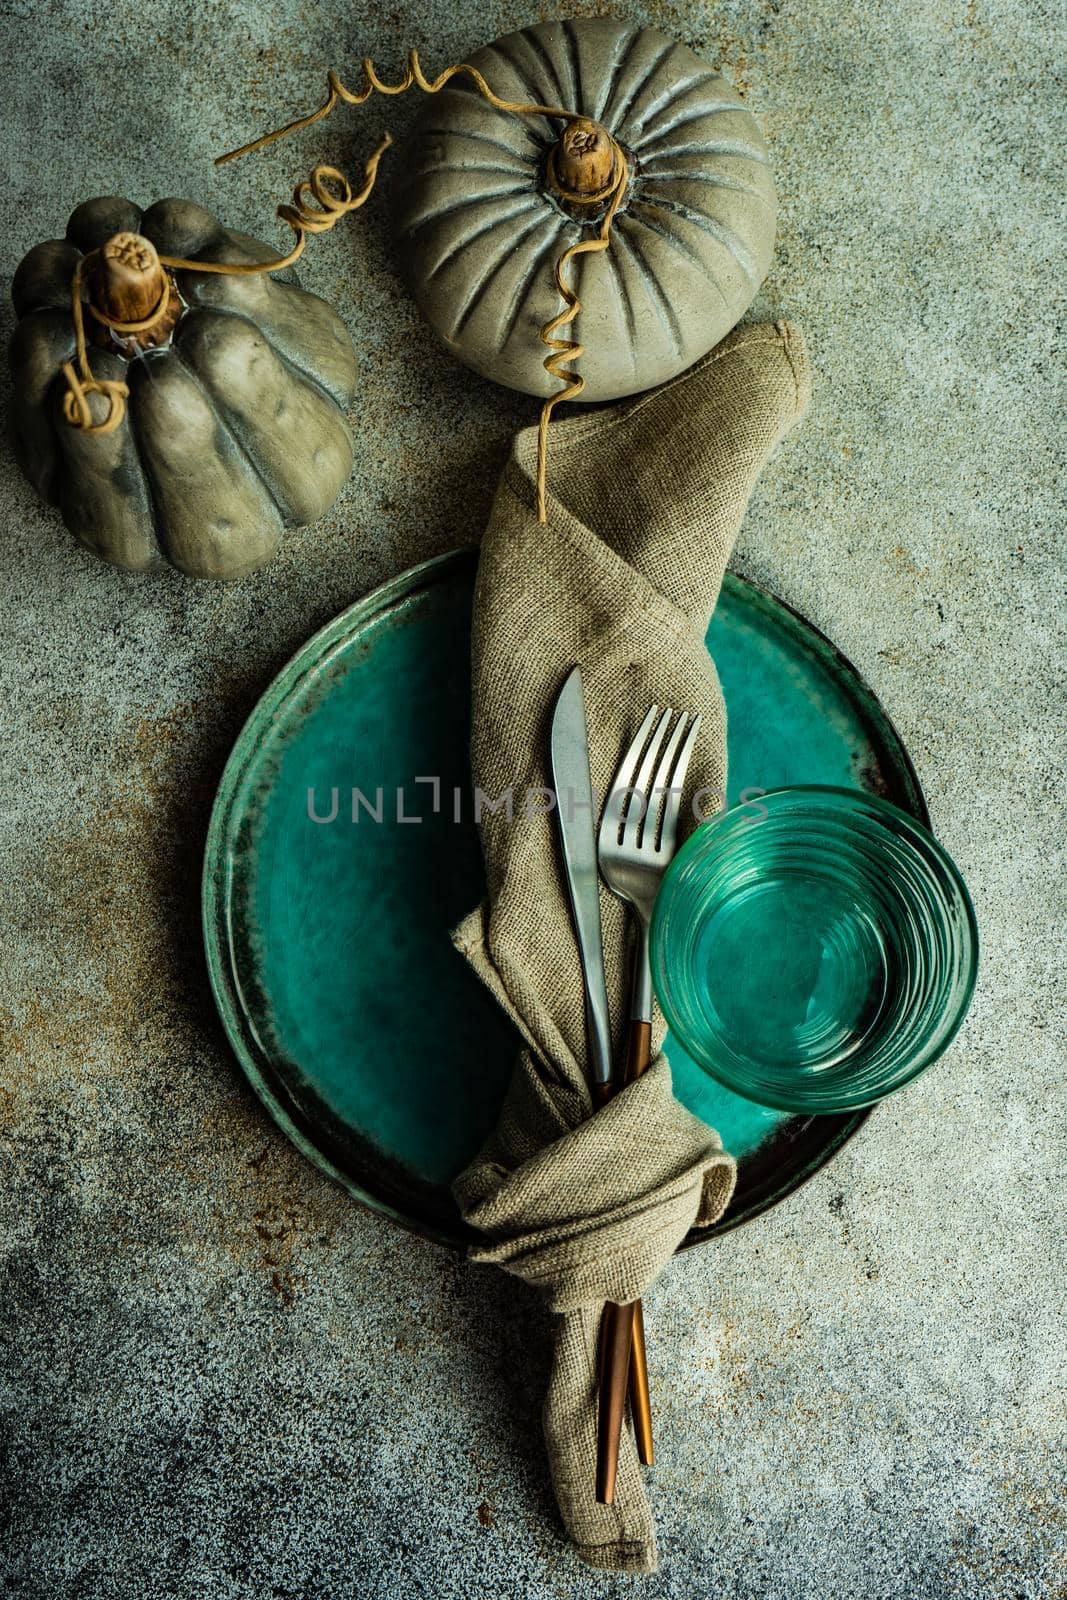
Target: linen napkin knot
(647, 501)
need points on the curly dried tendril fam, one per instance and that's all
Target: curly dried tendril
(319, 202)
(414, 77)
(80, 382)
(563, 351)
(301, 215)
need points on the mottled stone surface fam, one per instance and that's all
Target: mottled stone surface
(218, 1377)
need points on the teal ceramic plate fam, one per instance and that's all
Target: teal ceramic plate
(360, 1027)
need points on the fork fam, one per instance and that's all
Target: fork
(638, 837)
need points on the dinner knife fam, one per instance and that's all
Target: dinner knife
(577, 824)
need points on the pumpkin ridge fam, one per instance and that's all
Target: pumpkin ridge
(609, 114)
(463, 201)
(519, 95)
(574, 63)
(714, 180)
(454, 252)
(718, 231)
(714, 108)
(31, 427)
(220, 418)
(107, 363)
(291, 296)
(672, 238)
(50, 264)
(286, 360)
(524, 290)
(668, 315)
(341, 401)
(651, 173)
(239, 420)
(171, 225)
(619, 114)
(716, 147)
(624, 50)
(141, 438)
(418, 174)
(482, 138)
(727, 181)
(717, 108)
(615, 267)
(670, 97)
(93, 222)
(659, 84)
(345, 393)
(129, 421)
(478, 288)
(155, 511)
(549, 39)
(530, 40)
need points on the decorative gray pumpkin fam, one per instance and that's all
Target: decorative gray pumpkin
(480, 223)
(234, 428)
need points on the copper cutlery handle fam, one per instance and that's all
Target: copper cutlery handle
(622, 1330)
(640, 1400)
(638, 1049)
(638, 1056)
(616, 1342)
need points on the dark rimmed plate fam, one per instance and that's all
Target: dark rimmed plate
(362, 1030)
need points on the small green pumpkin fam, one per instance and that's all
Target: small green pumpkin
(482, 216)
(235, 424)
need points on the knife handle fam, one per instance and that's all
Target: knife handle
(616, 1337)
(623, 1347)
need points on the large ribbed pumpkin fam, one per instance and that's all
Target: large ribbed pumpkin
(480, 222)
(235, 427)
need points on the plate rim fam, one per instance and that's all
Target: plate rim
(215, 927)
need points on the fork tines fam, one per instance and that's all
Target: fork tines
(654, 779)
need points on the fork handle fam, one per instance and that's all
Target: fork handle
(638, 1056)
(638, 1049)
(640, 1400)
(641, 994)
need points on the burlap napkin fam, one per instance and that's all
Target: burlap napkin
(647, 499)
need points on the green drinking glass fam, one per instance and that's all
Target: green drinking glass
(815, 949)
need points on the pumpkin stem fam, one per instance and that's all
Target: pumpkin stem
(582, 163)
(130, 293)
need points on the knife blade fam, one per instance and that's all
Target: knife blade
(577, 824)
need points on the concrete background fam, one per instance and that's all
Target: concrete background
(219, 1378)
